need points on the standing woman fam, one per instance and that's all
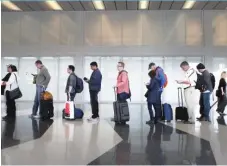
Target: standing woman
(11, 84)
(221, 94)
(153, 98)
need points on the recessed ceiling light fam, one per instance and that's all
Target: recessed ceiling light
(11, 6)
(189, 4)
(53, 5)
(143, 4)
(99, 5)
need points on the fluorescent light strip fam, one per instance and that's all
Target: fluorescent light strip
(9, 58)
(53, 5)
(11, 6)
(99, 5)
(143, 4)
(189, 4)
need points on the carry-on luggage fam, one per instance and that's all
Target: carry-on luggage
(70, 112)
(167, 112)
(46, 106)
(121, 110)
(181, 111)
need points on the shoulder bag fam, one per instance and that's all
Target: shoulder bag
(16, 93)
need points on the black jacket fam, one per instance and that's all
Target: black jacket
(6, 78)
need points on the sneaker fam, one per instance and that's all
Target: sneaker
(150, 122)
(36, 116)
(31, 116)
(93, 119)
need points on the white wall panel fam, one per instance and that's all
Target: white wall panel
(194, 28)
(11, 23)
(93, 29)
(111, 28)
(50, 28)
(153, 27)
(30, 29)
(51, 64)
(175, 28)
(64, 62)
(26, 68)
(132, 28)
(109, 75)
(71, 29)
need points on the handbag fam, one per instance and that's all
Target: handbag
(16, 93)
(218, 93)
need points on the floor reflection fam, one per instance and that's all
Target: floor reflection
(21, 130)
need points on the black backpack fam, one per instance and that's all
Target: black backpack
(212, 77)
(79, 85)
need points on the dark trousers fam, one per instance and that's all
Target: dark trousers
(222, 102)
(71, 96)
(94, 103)
(10, 106)
(122, 97)
(157, 109)
(201, 110)
(206, 104)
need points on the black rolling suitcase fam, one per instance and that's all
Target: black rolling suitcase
(121, 110)
(181, 111)
(46, 109)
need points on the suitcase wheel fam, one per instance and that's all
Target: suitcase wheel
(168, 121)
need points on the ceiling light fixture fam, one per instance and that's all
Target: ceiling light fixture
(99, 5)
(53, 5)
(189, 4)
(143, 4)
(11, 6)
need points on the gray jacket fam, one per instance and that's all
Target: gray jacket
(207, 81)
(71, 82)
(43, 77)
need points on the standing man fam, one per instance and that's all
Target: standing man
(206, 88)
(42, 80)
(192, 95)
(70, 89)
(94, 88)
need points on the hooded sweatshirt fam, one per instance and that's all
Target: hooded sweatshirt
(122, 82)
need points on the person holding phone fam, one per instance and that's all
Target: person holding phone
(94, 83)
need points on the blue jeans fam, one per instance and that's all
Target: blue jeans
(39, 90)
(157, 110)
(122, 97)
(206, 104)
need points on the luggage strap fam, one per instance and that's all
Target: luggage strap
(180, 97)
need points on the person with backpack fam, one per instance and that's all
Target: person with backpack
(153, 98)
(192, 95)
(94, 88)
(206, 87)
(221, 94)
(71, 84)
(123, 90)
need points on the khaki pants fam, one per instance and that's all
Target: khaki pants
(192, 97)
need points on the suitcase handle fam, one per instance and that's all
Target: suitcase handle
(180, 97)
(115, 93)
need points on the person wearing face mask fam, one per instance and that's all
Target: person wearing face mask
(221, 94)
(123, 90)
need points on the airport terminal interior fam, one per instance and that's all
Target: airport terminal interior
(63, 33)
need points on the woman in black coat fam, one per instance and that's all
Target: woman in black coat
(221, 94)
(153, 98)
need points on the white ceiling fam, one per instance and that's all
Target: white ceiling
(117, 5)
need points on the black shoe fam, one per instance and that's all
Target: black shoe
(4, 118)
(201, 119)
(150, 122)
(8, 118)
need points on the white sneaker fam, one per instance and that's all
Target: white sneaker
(93, 120)
(36, 116)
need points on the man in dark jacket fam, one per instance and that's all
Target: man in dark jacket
(206, 89)
(94, 88)
(70, 88)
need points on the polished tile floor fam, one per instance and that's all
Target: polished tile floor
(60, 142)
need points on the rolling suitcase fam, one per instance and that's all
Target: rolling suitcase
(167, 112)
(46, 109)
(181, 111)
(121, 110)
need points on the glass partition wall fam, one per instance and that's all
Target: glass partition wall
(137, 68)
